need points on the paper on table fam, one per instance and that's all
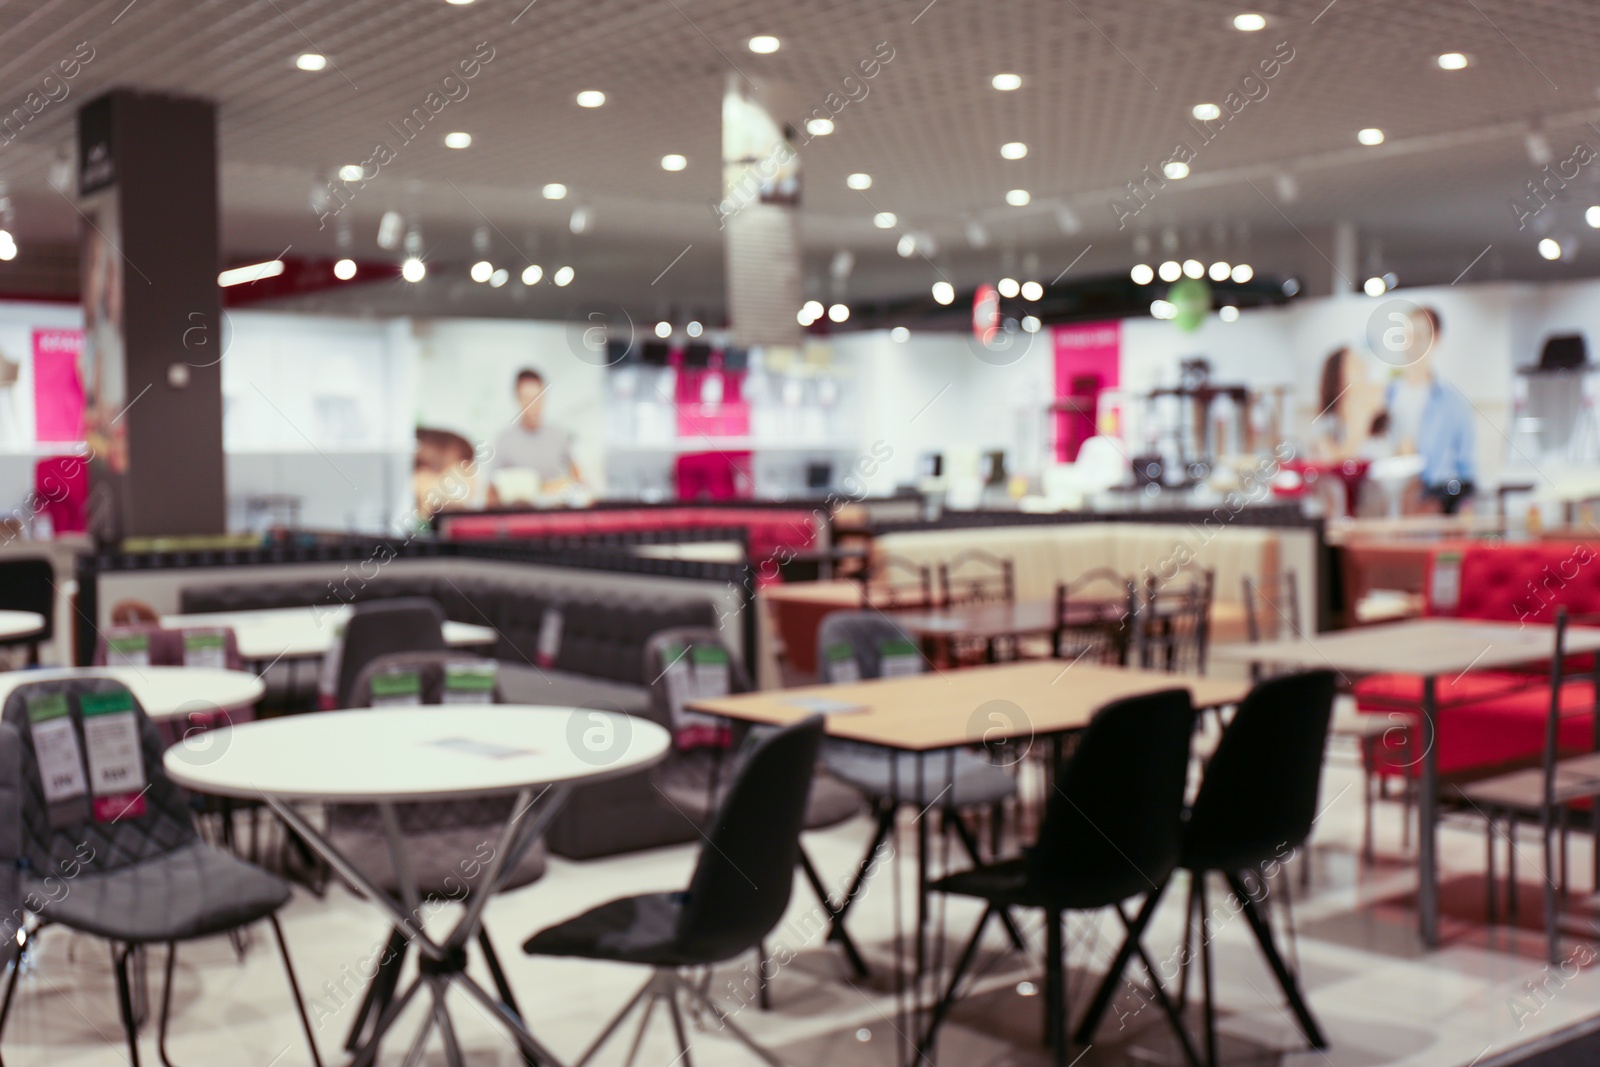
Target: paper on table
(472, 747)
(825, 705)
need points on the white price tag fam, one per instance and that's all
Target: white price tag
(469, 683)
(1446, 592)
(712, 676)
(899, 659)
(55, 745)
(128, 650)
(676, 676)
(549, 637)
(842, 667)
(205, 648)
(116, 759)
(396, 688)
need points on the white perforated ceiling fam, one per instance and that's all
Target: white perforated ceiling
(1107, 88)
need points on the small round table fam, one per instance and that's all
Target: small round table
(398, 755)
(163, 692)
(20, 623)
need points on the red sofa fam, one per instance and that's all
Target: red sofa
(1488, 719)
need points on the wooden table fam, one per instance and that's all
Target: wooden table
(1433, 649)
(798, 608)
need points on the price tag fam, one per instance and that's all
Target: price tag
(675, 675)
(711, 672)
(395, 688)
(549, 638)
(469, 683)
(1446, 592)
(55, 745)
(116, 759)
(328, 675)
(842, 665)
(205, 648)
(899, 659)
(128, 650)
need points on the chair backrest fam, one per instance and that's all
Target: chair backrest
(1095, 617)
(974, 576)
(60, 837)
(1259, 795)
(869, 636)
(745, 874)
(890, 582)
(1272, 607)
(29, 584)
(439, 677)
(685, 662)
(1173, 628)
(379, 627)
(1112, 824)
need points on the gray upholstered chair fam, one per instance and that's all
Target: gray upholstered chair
(376, 628)
(443, 839)
(139, 878)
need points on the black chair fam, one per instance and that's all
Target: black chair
(137, 879)
(1111, 832)
(958, 782)
(1254, 810)
(379, 627)
(442, 837)
(1095, 616)
(739, 892)
(29, 584)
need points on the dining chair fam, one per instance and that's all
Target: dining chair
(1172, 629)
(135, 877)
(1110, 833)
(739, 891)
(375, 628)
(1545, 795)
(29, 584)
(895, 583)
(975, 576)
(1095, 617)
(855, 645)
(1254, 810)
(443, 840)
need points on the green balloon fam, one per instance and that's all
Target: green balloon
(1192, 298)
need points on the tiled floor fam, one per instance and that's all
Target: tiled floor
(1381, 999)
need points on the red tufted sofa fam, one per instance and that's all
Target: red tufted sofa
(1488, 719)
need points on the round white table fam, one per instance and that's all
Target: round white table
(20, 623)
(397, 755)
(163, 692)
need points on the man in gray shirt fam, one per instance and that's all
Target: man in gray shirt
(543, 451)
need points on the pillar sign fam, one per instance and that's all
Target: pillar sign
(151, 362)
(760, 195)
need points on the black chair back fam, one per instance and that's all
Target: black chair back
(379, 627)
(1259, 796)
(977, 577)
(866, 632)
(1095, 616)
(742, 882)
(29, 584)
(1111, 828)
(53, 845)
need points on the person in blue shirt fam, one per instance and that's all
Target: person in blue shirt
(1432, 419)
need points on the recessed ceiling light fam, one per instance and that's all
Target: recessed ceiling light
(1142, 274)
(839, 312)
(673, 161)
(1175, 169)
(1013, 150)
(1228, 313)
(1250, 22)
(944, 293)
(1220, 270)
(310, 61)
(413, 270)
(1163, 309)
(764, 45)
(1453, 61)
(1007, 82)
(1207, 112)
(1550, 248)
(481, 270)
(1374, 287)
(1592, 217)
(350, 172)
(458, 3)
(1194, 268)
(1171, 270)
(900, 335)
(499, 278)
(859, 182)
(345, 269)
(1031, 324)
(591, 98)
(812, 310)
(884, 220)
(1018, 198)
(555, 191)
(804, 319)
(906, 246)
(1009, 287)
(458, 140)
(1370, 136)
(1032, 291)
(232, 276)
(563, 276)
(1242, 272)
(819, 127)
(663, 329)
(531, 274)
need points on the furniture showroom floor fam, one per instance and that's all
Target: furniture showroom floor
(1381, 1000)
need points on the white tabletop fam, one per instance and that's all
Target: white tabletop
(1418, 646)
(20, 623)
(304, 633)
(419, 753)
(163, 692)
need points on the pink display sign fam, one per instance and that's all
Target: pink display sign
(57, 386)
(1088, 362)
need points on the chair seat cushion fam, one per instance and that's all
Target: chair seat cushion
(194, 891)
(976, 781)
(1007, 884)
(630, 930)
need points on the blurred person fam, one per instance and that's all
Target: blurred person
(444, 476)
(532, 458)
(1432, 419)
(1346, 403)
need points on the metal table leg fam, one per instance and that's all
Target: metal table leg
(1428, 819)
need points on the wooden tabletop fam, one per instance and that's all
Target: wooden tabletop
(953, 708)
(1418, 646)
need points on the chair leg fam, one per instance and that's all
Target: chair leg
(646, 990)
(1490, 888)
(1286, 980)
(970, 844)
(166, 1002)
(1512, 888)
(1191, 907)
(941, 1009)
(11, 984)
(677, 1027)
(836, 930)
(1552, 903)
(294, 990)
(1119, 963)
(1368, 801)
(125, 1001)
(501, 985)
(1055, 986)
(1205, 971)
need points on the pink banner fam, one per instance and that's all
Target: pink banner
(57, 387)
(1088, 362)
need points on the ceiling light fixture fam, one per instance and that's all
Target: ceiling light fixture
(499, 278)
(458, 140)
(345, 269)
(481, 270)
(812, 310)
(673, 161)
(555, 191)
(1592, 217)
(1228, 313)
(900, 335)
(1370, 136)
(1453, 61)
(859, 182)
(694, 329)
(1374, 287)
(531, 274)
(944, 293)
(819, 127)
(663, 329)
(764, 44)
(1193, 268)
(563, 276)
(351, 172)
(1175, 169)
(838, 313)
(311, 61)
(233, 276)
(1171, 270)
(591, 98)
(906, 246)
(1220, 270)
(1242, 272)
(1142, 274)
(1550, 248)
(1013, 150)
(1249, 22)
(1006, 82)
(1163, 309)
(1207, 112)
(1018, 197)
(1032, 291)
(413, 270)
(884, 220)
(1009, 287)
(1031, 324)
